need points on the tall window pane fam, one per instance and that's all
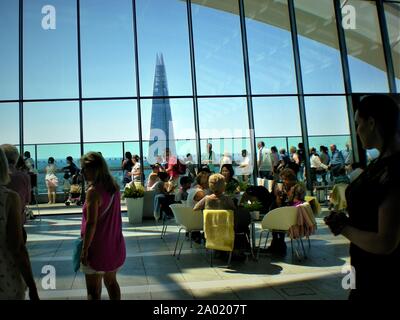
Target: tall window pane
(276, 118)
(50, 49)
(364, 46)
(216, 117)
(59, 152)
(51, 122)
(392, 11)
(163, 32)
(218, 48)
(9, 50)
(319, 47)
(9, 123)
(327, 121)
(270, 47)
(175, 131)
(107, 48)
(110, 120)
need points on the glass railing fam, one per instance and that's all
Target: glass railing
(226, 150)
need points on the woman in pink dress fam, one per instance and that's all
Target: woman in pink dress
(103, 251)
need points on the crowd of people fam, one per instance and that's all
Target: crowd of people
(370, 222)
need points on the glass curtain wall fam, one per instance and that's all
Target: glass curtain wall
(59, 96)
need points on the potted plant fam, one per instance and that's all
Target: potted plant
(134, 196)
(254, 207)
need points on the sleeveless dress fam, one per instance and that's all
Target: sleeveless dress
(12, 286)
(107, 251)
(376, 275)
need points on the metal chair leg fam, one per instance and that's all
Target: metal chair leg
(179, 254)
(163, 226)
(177, 240)
(304, 251)
(251, 247)
(265, 244)
(259, 245)
(229, 259)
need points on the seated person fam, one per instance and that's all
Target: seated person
(162, 198)
(198, 191)
(182, 194)
(218, 200)
(288, 193)
(232, 185)
(153, 176)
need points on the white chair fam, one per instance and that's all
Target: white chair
(188, 220)
(280, 220)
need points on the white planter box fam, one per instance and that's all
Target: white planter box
(135, 209)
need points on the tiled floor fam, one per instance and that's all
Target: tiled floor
(151, 272)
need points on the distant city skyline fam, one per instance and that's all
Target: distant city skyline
(161, 127)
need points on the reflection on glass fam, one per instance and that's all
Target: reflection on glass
(107, 48)
(319, 47)
(270, 47)
(168, 123)
(9, 50)
(364, 46)
(392, 11)
(163, 30)
(51, 122)
(218, 48)
(9, 123)
(50, 55)
(276, 117)
(110, 120)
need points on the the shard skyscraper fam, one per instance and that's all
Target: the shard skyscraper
(161, 128)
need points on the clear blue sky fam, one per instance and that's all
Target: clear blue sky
(108, 70)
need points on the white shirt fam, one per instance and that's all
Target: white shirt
(315, 162)
(264, 159)
(136, 170)
(244, 167)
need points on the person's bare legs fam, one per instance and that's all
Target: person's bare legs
(111, 283)
(49, 194)
(93, 286)
(52, 194)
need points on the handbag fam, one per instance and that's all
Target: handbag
(76, 255)
(78, 243)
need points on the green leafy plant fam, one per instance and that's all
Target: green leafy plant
(133, 191)
(253, 206)
(243, 186)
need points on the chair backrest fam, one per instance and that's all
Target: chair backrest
(187, 217)
(314, 203)
(338, 197)
(219, 229)
(280, 219)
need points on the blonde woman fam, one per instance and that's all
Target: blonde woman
(103, 250)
